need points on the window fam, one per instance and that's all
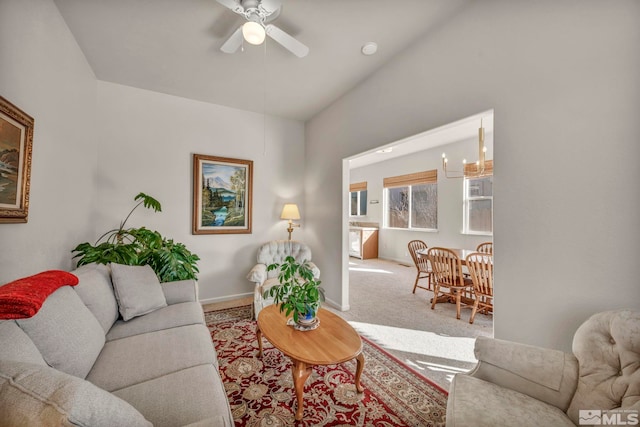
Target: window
(358, 199)
(478, 203)
(411, 201)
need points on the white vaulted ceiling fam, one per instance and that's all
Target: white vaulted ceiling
(173, 47)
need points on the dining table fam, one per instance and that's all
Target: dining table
(461, 253)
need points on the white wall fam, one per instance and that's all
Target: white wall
(43, 72)
(147, 140)
(392, 243)
(562, 78)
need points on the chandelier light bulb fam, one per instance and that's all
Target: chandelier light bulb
(253, 33)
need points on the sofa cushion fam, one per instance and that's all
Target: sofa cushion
(96, 292)
(17, 345)
(38, 395)
(607, 347)
(140, 358)
(171, 316)
(171, 401)
(137, 290)
(473, 402)
(66, 333)
(180, 291)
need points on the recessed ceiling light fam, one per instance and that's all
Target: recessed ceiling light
(369, 48)
(385, 150)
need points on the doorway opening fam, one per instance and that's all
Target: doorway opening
(377, 290)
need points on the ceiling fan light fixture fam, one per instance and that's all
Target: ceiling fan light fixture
(253, 33)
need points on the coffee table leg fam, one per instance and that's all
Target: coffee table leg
(301, 372)
(259, 335)
(359, 369)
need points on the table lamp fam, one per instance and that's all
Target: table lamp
(290, 211)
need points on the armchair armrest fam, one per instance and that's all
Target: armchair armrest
(315, 269)
(258, 274)
(544, 374)
(180, 291)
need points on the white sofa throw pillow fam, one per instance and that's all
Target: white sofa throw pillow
(137, 290)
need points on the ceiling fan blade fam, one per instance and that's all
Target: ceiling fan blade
(233, 42)
(288, 42)
(232, 4)
(271, 5)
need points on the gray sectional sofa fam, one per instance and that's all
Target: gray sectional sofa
(78, 362)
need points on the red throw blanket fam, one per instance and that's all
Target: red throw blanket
(23, 298)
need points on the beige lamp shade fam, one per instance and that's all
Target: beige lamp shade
(290, 211)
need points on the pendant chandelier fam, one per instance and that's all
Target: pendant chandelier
(469, 170)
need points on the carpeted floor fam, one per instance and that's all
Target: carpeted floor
(261, 393)
(383, 309)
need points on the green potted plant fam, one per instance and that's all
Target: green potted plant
(140, 246)
(297, 291)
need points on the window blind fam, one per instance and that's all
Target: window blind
(470, 169)
(358, 186)
(425, 177)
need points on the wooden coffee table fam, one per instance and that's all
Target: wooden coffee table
(333, 342)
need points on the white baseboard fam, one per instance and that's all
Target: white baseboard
(337, 306)
(225, 298)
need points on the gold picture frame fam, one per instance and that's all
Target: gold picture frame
(16, 144)
(222, 195)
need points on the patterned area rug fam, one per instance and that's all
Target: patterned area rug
(260, 391)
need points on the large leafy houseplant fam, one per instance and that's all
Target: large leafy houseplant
(140, 246)
(298, 291)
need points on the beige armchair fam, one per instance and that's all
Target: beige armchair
(517, 384)
(275, 252)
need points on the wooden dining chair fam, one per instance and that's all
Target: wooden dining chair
(485, 248)
(447, 273)
(480, 267)
(421, 263)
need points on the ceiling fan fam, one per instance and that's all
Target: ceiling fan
(258, 14)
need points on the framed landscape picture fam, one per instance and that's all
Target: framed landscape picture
(221, 195)
(16, 140)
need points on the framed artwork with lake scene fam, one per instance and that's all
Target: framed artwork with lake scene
(16, 140)
(221, 195)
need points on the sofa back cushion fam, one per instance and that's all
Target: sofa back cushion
(66, 333)
(607, 347)
(277, 250)
(37, 395)
(16, 345)
(96, 292)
